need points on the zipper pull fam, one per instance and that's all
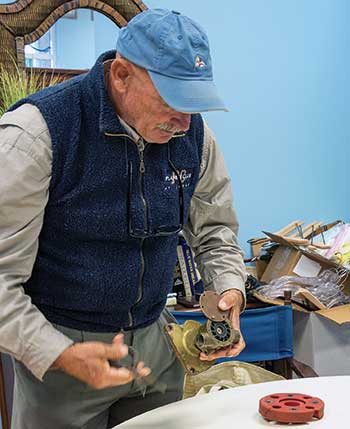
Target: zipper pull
(141, 147)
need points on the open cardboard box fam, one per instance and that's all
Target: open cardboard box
(290, 260)
(321, 337)
(295, 229)
(257, 243)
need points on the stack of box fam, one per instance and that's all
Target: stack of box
(321, 337)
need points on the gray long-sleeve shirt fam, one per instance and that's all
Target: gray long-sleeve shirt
(25, 173)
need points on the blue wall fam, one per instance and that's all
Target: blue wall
(283, 68)
(106, 34)
(75, 41)
(80, 41)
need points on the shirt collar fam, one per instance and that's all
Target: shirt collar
(130, 131)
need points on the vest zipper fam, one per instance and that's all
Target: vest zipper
(141, 147)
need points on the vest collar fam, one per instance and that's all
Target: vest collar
(96, 86)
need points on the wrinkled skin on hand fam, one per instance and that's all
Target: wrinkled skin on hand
(90, 363)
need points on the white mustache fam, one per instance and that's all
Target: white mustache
(168, 128)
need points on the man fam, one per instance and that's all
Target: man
(98, 176)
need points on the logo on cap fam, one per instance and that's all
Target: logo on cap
(199, 63)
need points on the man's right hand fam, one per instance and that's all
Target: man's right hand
(90, 362)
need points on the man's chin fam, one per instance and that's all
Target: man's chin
(161, 141)
(161, 137)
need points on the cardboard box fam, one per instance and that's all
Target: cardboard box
(322, 337)
(295, 229)
(256, 243)
(322, 340)
(289, 259)
(281, 264)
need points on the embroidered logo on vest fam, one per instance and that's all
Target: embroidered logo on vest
(185, 177)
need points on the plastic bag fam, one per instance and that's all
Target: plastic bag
(324, 287)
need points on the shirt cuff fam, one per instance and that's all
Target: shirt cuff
(39, 357)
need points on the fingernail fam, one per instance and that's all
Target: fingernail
(124, 349)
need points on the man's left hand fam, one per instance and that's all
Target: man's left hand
(231, 299)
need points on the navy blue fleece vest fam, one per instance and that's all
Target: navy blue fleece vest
(89, 272)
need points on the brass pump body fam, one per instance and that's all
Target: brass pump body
(192, 338)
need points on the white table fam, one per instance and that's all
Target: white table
(238, 407)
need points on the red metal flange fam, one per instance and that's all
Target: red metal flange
(291, 408)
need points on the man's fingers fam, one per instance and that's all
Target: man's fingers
(213, 356)
(236, 349)
(226, 302)
(142, 370)
(112, 376)
(232, 351)
(116, 376)
(229, 299)
(118, 339)
(108, 375)
(115, 351)
(90, 362)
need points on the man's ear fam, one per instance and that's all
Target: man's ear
(119, 75)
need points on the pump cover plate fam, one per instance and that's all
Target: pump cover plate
(209, 301)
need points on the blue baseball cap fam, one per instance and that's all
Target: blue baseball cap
(175, 51)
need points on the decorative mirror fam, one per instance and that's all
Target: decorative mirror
(24, 22)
